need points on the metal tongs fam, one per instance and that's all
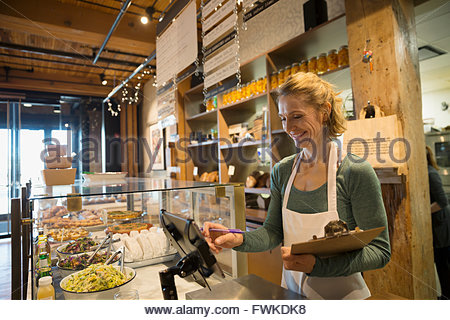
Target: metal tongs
(121, 250)
(108, 237)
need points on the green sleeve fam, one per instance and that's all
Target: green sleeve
(270, 234)
(364, 193)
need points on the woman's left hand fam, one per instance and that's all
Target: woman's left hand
(298, 262)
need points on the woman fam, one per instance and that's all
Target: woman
(440, 220)
(308, 191)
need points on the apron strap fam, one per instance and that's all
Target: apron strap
(331, 186)
(287, 192)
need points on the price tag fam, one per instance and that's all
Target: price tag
(195, 171)
(231, 170)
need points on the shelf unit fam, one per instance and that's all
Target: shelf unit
(248, 156)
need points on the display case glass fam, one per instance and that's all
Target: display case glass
(129, 209)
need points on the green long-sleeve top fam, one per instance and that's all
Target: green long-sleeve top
(359, 203)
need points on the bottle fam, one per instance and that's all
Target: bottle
(44, 269)
(46, 290)
(43, 245)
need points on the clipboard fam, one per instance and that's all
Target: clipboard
(343, 243)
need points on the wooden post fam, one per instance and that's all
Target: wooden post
(394, 84)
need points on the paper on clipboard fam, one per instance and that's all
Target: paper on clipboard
(331, 246)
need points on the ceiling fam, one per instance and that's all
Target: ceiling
(433, 29)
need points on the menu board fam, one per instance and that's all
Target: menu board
(176, 48)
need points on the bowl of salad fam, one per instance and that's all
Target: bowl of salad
(97, 282)
(76, 262)
(81, 245)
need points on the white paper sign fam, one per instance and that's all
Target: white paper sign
(210, 6)
(195, 171)
(176, 48)
(221, 57)
(218, 31)
(231, 169)
(221, 74)
(218, 15)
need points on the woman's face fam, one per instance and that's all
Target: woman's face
(301, 121)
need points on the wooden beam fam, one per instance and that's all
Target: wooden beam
(394, 84)
(67, 22)
(51, 82)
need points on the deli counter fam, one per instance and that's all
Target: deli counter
(76, 218)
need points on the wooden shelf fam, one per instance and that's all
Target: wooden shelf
(210, 116)
(201, 144)
(257, 190)
(249, 143)
(197, 89)
(255, 215)
(241, 102)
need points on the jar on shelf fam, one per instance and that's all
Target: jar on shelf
(264, 84)
(239, 94)
(273, 80)
(343, 56)
(209, 105)
(280, 76)
(247, 91)
(332, 60)
(259, 86)
(312, 65)
(303, 67)
(322, 65)
(287, 73)
(253, 88)
(295, 68)
(233, 95)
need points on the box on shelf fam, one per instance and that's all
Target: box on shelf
(54, 177)
(58, 162)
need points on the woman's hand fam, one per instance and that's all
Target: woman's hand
(218, 240)
(298, 262)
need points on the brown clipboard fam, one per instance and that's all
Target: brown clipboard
(339, 244)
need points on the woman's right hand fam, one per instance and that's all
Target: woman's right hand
(218, 240)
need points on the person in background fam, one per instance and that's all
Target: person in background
(440, 221)
(310, 189)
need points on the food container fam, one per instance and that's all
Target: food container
(303, 67)
(104, 176)
(280, 77)
(273, 80)
(58, 162)
(295, 68)
(260, 86)
(343, 56)
(312, 65)
(67, 271)
(107, 294)
(253, 88)
(322, 65)
(55, 177)
(86, 245)
(332, 60)
(264, 84)
(287, 73)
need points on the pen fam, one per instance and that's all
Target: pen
(225, 230)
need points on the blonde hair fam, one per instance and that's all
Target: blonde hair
(316, 92)
(430, 158)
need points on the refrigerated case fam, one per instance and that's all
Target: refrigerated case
(223, 203)
(439, 142)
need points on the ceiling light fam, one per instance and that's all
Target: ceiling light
(144, 20)
(56, 110)
(66, 125)
(103, 80)
(28, 105)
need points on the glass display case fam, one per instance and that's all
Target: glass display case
(129, 210)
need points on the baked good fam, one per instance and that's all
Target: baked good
(118, 215)
(67, 234)
(335, 227)
(128, 227)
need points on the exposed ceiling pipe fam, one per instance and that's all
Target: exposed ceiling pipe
(124, 8)
(138, 69)
(62, 54)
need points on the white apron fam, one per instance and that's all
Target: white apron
(299, 227)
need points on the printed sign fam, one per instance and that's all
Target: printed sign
(221, 74)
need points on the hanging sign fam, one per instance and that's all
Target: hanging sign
(220, 58)
(258, 8)
(221, 74)
(218, 15)
(220, 43)
(166, 104)
(226, 25)
(176, 48)
(210, 7)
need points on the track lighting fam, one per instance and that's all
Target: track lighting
(103, 80)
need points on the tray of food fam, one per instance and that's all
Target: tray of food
(61, 235)
(123, 215)
(128, 227)
(79, 261)
(81, 245)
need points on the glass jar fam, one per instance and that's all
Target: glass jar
(246, 91)
(332, 60)
(322, 65)
(264, 84)
(343, 56)
(224, 97)
(233, 95)
(280, 76)
(239, 94)
(287, 73)
(312, 65)
(295, 68)
(259, 86)
(303, 66)
(273, 80)
(253, 88)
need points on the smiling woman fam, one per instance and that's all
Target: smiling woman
(321, 192)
